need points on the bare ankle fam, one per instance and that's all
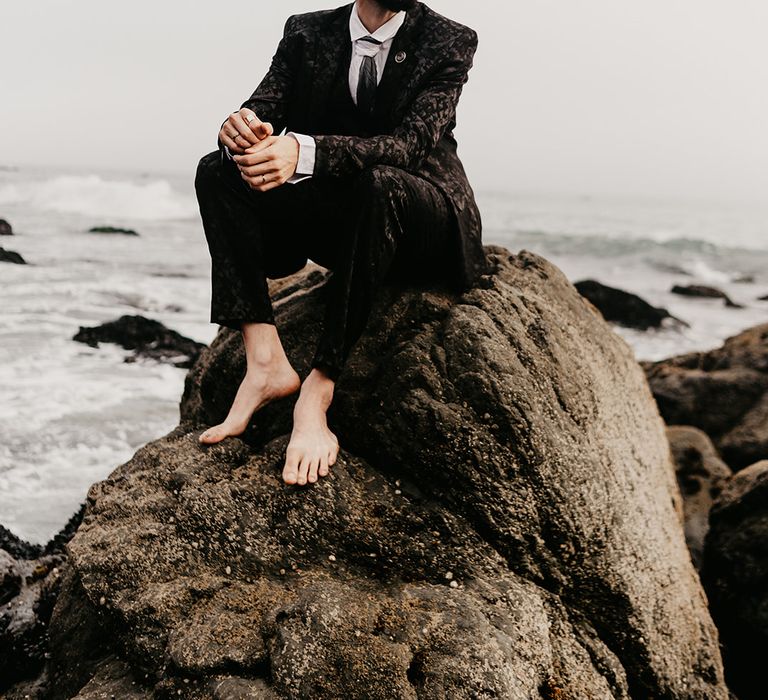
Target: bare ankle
(317, 389)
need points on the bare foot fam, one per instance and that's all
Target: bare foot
(260, 386)
(313, 448)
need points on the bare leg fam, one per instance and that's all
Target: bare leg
(313, 448)
(269, 375)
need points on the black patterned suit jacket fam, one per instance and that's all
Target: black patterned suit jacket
(415, 107)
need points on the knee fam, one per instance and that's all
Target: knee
(208, 170)
(378, 179)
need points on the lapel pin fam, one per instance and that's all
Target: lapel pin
(400, 56)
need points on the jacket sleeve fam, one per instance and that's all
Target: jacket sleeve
(423, 125)
(270, 99)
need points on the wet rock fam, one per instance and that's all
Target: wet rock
(30, 580)
(702, 290)
(763, 298)
(5, 228)
(701, 475)
(113, 229)
(723, 392)
(735, 572)
(624, 308)
(505, 435)
(146, 337)
(10, 256)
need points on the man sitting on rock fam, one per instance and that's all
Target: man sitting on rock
(375, 191)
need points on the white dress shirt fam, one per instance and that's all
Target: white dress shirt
(385, 34)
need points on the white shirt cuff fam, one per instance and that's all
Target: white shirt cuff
(306, 165)
(226, 150)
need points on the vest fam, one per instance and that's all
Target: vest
(342, 115)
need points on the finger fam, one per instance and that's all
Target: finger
(269, 186)
(263, 129)
(225, 136)
(265, 168)
(237, 123)
(250, 157)
(264, 143)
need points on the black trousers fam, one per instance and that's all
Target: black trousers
(382, 225)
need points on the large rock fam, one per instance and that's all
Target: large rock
(146, 337)
(503, 521)
(30, 579)
(701, 475)
(5, 228)
(624, 308)
(735, 573)
(724, 392)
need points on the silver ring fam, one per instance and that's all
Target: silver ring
(263, 179)
(249, 119)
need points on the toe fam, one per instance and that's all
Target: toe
(291, 469)
(303, 468)
(312, 476)
(323, 470)
(210, 436)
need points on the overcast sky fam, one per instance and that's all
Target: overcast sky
(659, 97)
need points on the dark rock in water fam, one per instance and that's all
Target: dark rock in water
(16, 547)
(113, 229)
(503, 521)
(5, 228)
(701, 475)
(763, 298)
(701, 290)
(735, 574)
(146, 337)
(743, 279)
(624, 308)
(10, 256)
(724, 392)
(30, 580)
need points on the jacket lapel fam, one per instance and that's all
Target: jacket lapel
(402, 59)
(331, 48)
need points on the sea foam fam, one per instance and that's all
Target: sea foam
(95, 196)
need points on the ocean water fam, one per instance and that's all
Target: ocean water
(70, 414)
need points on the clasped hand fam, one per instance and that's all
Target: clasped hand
(264, 161)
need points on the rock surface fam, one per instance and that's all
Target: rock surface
(30, 578)
(702, 290)
(11, 256)
(146, 337)
(701, 475)
(624, 308)
(735, 573)
(724, 392)
(503, 521)
(5, 228)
